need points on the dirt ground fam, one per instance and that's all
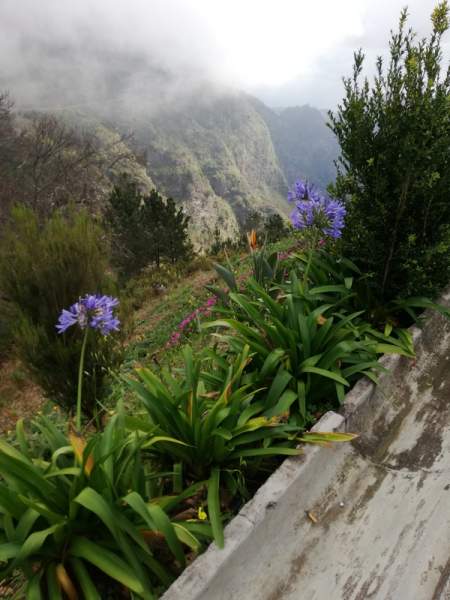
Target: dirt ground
(19, 397)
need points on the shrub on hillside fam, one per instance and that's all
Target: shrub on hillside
(43, 268)
(146, 230)
(395, 150)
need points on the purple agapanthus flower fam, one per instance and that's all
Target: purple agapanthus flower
(315, 209)
(93, 311)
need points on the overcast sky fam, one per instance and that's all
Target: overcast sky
(285, 51)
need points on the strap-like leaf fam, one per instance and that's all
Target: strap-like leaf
(108, 562)
(84, 580)
(215, 516)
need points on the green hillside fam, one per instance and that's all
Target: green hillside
(217, 156)
(222, 155)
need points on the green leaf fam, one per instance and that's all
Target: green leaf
(271, 362)
(278, 386)
(301, 393)
(163, 438)
(177, 478)
(157, 520)
(84, 580)
(43, 510)
(108, 562)
(35, 541)
(252, 409)
(348, 282)
(305, 335)
(340, 392)
(214, 507)
(33, 590)
(26, 522)
(15, 465)
(326, 373)
(327, 436)
(10, 503)
(226, 275)
(324, 289)
(20, 435)
(283, 405)
(53, 589)
(75, 471)
(391, 349)
(92, 500)
(271, 451)
(168, 503)
(186, 537)
(9, 550)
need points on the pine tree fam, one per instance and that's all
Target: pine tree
(146, 230)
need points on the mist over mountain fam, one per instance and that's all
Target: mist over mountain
(225, 154)
(220, 152)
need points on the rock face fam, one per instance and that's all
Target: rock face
(304, 145)
(227, 154)
(221, 154)
(216, 154)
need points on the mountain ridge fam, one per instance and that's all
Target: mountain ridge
(222, 154)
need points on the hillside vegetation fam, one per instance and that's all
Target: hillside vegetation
(176, 381)
(221, 155)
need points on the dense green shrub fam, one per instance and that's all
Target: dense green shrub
(212, 421)
(275, 228)
(78, 521)
(6, 336)
(308, 333)
(43, 269)
(394, 167)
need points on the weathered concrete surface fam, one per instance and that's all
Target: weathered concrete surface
(381, 505)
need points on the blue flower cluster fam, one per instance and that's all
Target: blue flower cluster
(313, 209)
(93, 311)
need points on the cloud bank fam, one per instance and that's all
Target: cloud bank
(146, 53)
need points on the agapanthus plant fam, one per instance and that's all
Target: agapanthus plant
(315, 210)
(318, 215)
(93, 311)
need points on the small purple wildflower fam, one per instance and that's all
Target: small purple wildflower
(92, 311)
(314, 209)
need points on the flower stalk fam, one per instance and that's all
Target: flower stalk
(80, 379)
(90, 312)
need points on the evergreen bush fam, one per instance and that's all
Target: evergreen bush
(393, 170)
(146, 230)
(45, 267)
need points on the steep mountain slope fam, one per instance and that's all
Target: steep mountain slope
(225, 154)
(215, 153)
(221, 154)
(304, 145)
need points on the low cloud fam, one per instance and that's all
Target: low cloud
(143, 54)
